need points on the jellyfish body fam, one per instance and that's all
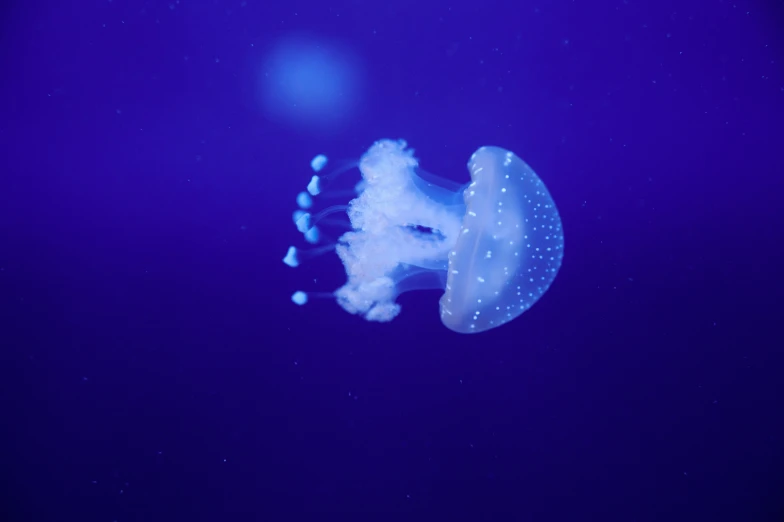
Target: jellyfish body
(494, 245)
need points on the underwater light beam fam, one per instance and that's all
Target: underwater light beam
(309, 84)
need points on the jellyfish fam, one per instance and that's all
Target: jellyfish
(493, 245)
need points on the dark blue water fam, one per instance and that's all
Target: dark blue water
(155, 368)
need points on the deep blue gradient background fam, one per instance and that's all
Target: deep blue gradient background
(154, 368)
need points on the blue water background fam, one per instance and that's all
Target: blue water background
(155, 368)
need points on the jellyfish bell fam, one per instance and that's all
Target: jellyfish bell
(493, 245)
(510, 245)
